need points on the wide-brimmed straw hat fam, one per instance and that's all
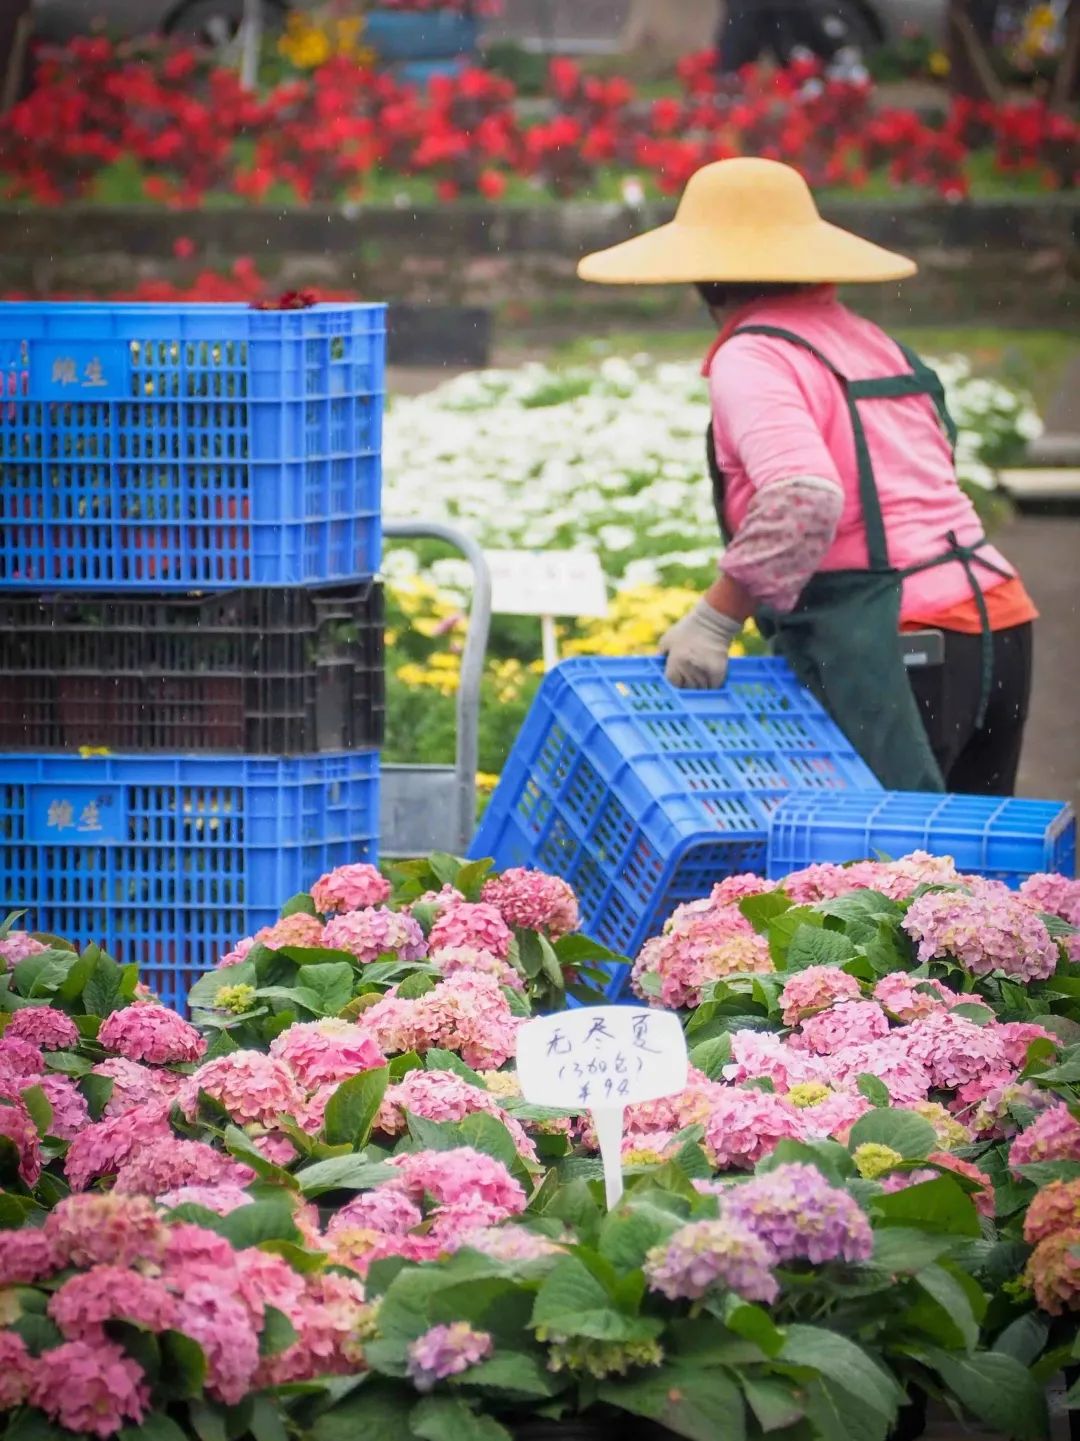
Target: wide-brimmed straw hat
(745, 221)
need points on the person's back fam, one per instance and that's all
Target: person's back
(779, 411)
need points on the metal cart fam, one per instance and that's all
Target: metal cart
(428, 808)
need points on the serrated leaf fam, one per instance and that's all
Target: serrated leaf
(996, 1389)
(702, 1404)
(351, 1110)
(438, 1059)
(299, 905)
(844, 1364)
(874, 1089)
(41, 1112)
(773, 1401)
(451, 1418)
(712, 1056)
(342, 1173)
(814, 946)
(374, 1412)
(907, 1132)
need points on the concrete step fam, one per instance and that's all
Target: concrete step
(1043, 482)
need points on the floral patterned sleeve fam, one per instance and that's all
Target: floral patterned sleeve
(783, 538)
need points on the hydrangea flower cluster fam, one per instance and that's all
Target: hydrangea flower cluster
(985, 932)
(444, 1096)
(350, 888)
(800, 1216)
(815, 989)
(16, 946)
(532, 901)
(745, 1126)
(152, 1034)
(42, 1026)
(326, 1050)
(701, 943)
(707, 1256)
(466, 1013)
(478, 924)
(456, 960)
(446, 1351)
(1053, 1136)
(375, 932)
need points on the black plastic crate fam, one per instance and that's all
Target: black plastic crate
(262, 672)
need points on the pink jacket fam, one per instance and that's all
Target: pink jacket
(778, 413)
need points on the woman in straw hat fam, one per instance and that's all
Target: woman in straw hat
(830, 451)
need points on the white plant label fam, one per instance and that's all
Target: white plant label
(599, 1060)
(547, 583)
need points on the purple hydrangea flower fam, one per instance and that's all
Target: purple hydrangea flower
(799, 1216)
(445, 1351)
(705, 1256)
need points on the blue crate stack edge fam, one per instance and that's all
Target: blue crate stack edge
(180, 449)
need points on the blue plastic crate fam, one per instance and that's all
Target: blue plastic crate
(642, 796)
(168, 861)
(424, 35)
(186, 447)
(1004, 839)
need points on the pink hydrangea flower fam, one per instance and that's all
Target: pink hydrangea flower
(1053, 1272)
(222, 1198)
(954, 1050)
(453, 960)
(70, 1113)
(1017, 1036)
(326, 1050)
(513, 1244)
(385, 1210)
(994, 1107)
(467, 1013)
(27, 1255)
(252, 1087)
(1053, 1136)
(105, 1145)
(263, 1279)
(815, 989)
(223, 1328)
(1053, 895)
(457, 1175)
(834, 1117)
(909, 998)
(701, 945)
(21, 1062)
(732, 889)
(136, 1085)
(821, 882)
(331, 1320)
(445, 1351)
(444, 1096)
(706, 1256)
(905, 1076)
(42, 1026)
(800, 1216)
(376, 932)
(238, 953)
(16, 1371)
(350, 888)
(167, 1162)
(90, 1387)
(301, 930)
(463, 923)
(984, 933)
(744, 1126)
(851, 1023)
(87, 1300)
(151, 1034)
(17, 1125)
(761, 1054)
(1055, 1208)
(16, 946)
(103, 1229)
(276, 1146)
(533, 901)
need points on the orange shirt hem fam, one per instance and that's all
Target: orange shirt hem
(1007, 605)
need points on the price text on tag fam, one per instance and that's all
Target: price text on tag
(600, 1059)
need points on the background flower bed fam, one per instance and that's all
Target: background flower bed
(325, 1206)
(620, 471)
(166, 125)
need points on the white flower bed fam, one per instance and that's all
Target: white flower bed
(609, 458)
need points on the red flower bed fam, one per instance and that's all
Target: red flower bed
(189, 130)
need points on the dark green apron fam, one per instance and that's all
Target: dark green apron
(843, 638)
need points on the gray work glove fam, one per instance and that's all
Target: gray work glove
(697, 648)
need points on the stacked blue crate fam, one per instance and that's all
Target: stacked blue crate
(642, 796)
(181, 449)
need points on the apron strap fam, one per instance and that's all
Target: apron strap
(969, 558)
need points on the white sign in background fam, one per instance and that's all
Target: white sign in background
(601, 1059)
(547, 583)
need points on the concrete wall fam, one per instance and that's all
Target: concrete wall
(1014, 263)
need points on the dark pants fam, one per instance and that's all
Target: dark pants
(753, 27)
(977, 760)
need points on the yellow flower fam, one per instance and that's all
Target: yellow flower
(938, 64)
(486, 782)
